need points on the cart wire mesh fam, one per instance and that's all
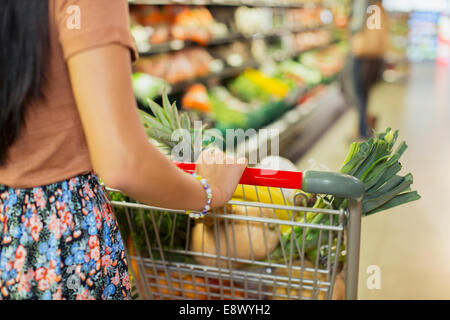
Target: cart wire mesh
(261, 246)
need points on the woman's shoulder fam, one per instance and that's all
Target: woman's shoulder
(84, 24)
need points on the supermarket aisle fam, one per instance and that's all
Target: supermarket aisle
(410, 244)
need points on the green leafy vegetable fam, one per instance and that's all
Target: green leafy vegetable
(377, 166)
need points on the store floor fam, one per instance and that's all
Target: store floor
(410, 244)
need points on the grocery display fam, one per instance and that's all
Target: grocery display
(255, 62)
(177, 67)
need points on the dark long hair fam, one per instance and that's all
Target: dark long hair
(24, 39)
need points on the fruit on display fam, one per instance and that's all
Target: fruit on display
(253, 20)
(233, 103)
(155, 21)
(155, 25)
(273, 86)
(234, 54)
(311, 94)
(177, 66)
(266, 20)
(231, 111)
(175, 22)
(247, 90)
(304, 17)
(254, 85)
(226, 109)
(252, 99)
(300, 72)
(313, 67)
(310, 39)
(328, 61)
(196, 97)
(146, 86)
(193, 24)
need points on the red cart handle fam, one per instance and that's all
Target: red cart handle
(261, 177)
(334, 183)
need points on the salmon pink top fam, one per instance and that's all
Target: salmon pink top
(51, 146)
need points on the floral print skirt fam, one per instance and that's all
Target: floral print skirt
(61, 241)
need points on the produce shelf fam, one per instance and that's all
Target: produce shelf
(269, 112)
(224, 74)
(310, 121)
(233, 71)
(177, 45)
(248, 3)
(289, 55)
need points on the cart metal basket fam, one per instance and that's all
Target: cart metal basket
(260, 246)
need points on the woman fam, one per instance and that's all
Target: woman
(369, 43)
(67, 110)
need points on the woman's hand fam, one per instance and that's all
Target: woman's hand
(222, 172)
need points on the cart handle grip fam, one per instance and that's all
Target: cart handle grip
(333, 183)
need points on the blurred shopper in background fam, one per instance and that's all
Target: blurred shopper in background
(369, 40)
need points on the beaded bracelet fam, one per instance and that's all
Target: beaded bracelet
(208, 198)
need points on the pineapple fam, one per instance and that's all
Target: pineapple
(165, 121)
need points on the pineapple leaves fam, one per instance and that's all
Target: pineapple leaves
(158, 112)
(176, 116)
(166, 120)
(185, 122)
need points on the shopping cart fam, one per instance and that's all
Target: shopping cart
(230, 254)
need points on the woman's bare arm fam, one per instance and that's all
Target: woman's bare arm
(119, 148)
